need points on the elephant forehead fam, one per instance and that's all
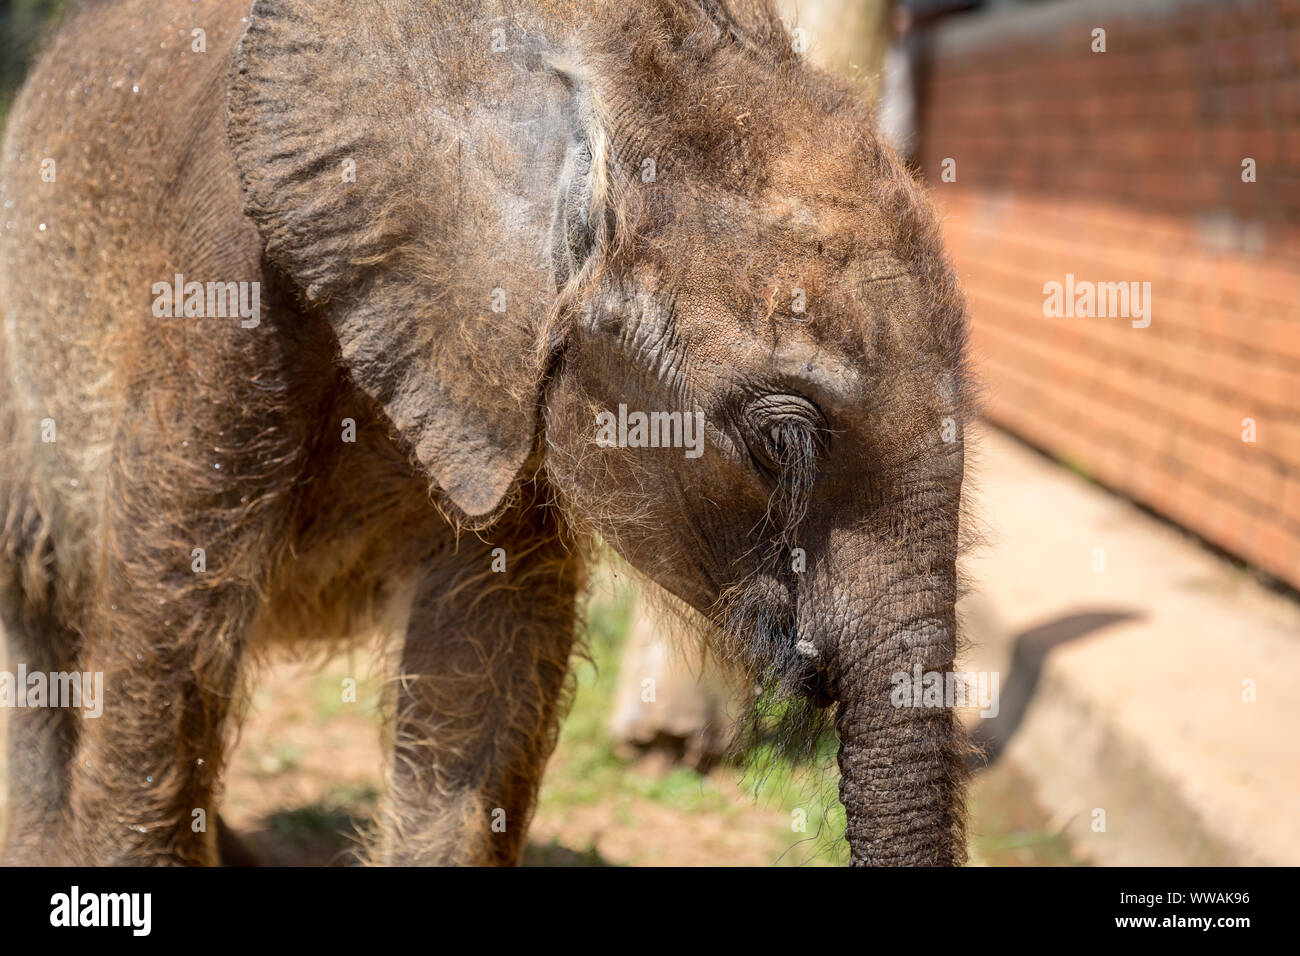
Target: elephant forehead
(861, 314)
(782, 262)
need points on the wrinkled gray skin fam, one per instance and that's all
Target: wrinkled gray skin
(779, 273)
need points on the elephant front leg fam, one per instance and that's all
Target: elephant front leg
(146, 771)
(164, 631)
(478, 702)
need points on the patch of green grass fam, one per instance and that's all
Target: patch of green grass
(327, 691)
(1007, 828)
(592, 772)
(553, 854)
(587, 771)
(808, 792)
(321, 833)
(286, 757)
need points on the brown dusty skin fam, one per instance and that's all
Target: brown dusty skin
(474, 227)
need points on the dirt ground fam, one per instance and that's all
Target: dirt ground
(303, 784)
(306, 774)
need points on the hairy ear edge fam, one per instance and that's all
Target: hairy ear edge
(410, 290)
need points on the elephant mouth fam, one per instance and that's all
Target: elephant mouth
(806, 672)
(762, 623)
(819, 690)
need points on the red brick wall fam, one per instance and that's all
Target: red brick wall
(1127, 166)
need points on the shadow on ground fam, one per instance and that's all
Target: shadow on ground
(329, 835)
(1028, 655)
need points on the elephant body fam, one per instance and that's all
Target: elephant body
(442, 215)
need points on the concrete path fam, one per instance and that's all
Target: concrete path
(1148, 687)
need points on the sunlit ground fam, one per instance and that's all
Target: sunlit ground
(305, 777)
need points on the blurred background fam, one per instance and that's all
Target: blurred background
(1136, 488)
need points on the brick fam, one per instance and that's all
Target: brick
(1107, 168)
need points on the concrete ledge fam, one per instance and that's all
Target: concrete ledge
(1122, 688)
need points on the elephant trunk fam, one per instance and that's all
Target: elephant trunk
(901, 758)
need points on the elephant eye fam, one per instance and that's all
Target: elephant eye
(784, 433)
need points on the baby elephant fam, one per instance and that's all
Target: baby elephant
(327, 319)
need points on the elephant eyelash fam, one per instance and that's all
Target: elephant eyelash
(786, 435)
(784, 431)
(788, 457)
(790, 443)
(786, 448)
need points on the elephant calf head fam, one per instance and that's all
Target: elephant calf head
(782, 275)
(573, 238)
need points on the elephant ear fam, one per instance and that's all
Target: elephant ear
(417, 219)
